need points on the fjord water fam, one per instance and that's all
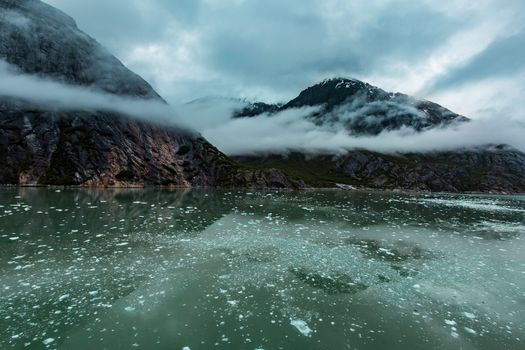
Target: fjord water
(204, 269)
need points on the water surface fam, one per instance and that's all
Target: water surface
(203, 269)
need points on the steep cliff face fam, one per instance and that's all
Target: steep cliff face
(40, 145)
(101, 149)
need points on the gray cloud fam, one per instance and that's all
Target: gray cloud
(54, 95)
(502, 58)
(285, 132)
(272, 49)
(290, 131)
(15, 18)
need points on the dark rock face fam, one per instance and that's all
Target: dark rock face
(43, 147)
(496, 169)
(101, 149)
(481, 170)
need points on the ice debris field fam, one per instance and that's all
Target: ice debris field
(203, 269)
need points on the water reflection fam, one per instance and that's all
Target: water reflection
(165, 269)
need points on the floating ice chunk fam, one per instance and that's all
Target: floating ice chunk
(469, 315)
(302, 327)
(454, 335)
(450, 322)
(63, 297)
(186, 348)
(48, 341)
(470, 330)
(386, 251)
(129, 308)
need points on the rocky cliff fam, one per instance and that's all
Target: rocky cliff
(50, 146)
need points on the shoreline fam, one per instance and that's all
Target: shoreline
(305, 189)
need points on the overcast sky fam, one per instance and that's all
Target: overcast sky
(467, 55)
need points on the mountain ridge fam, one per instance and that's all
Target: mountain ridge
(364, 110)
(41, 146)
(361, 108)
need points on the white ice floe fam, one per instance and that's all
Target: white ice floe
(469, 315)
(470, 331)
(302, 327)
(475, 204)
(48, 341)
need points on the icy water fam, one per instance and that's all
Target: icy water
(159, 269)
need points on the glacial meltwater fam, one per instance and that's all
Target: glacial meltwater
(219, 269)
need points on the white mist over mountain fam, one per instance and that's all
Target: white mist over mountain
(54, 95)
(292, 130)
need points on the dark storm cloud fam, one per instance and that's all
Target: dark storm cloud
(272, 49)
(504, 57)
(121, 24)
(281, 40)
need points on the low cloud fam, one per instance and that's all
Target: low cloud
(55, 95)
(291, 130)
(285, 132)
(15, 18)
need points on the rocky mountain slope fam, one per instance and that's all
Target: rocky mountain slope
(362, 109)
(495, 169)
(48, 146)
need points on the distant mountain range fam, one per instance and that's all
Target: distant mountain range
(44, 145)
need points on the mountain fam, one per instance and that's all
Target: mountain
(362, 109)
(256, 108)
(49, 146)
